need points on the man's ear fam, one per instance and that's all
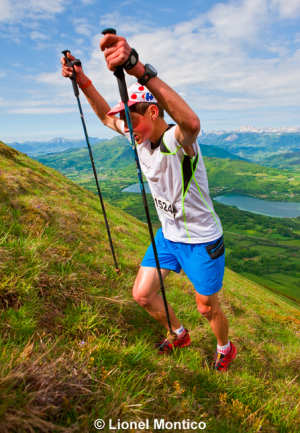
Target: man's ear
(153, 112)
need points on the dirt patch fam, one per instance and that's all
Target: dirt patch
(9, 299)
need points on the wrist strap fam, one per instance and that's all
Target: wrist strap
(131, 61)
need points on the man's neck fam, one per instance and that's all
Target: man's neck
(159, 128)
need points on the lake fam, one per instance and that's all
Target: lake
(136, 188)
(269, 208)
(251, 204)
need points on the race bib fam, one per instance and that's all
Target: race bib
(164, 206)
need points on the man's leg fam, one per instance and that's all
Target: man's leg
(209, 307)
(145, 293)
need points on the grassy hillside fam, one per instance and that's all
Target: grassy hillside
(286, 160)
(246, 178)
(74, 347)
(218, 152)
(109, 154)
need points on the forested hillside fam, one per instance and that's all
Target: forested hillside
(284, 160)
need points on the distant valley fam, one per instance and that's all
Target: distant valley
(226, 172)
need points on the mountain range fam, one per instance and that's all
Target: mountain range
(258, 145)
(55, 145)
(248, 128)
(255, 144)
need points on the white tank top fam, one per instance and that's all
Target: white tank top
(179, 187)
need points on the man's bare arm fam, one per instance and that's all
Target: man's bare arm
(97, 102)
(117, 51)
(101, 108)
(188, 123)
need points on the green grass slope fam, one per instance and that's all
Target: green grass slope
(75, 347)
(286, 161)
(218, 152)
(108, 154)
(114, 153)
(246, 178)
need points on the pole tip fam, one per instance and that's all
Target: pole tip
(172, 336)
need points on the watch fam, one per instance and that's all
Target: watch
(150, 72)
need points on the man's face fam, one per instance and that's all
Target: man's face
(142, 125)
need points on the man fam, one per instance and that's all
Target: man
(191, 235)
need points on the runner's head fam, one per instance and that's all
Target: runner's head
(139, 100)
(145, 112)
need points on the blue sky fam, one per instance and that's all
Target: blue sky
(235, 62)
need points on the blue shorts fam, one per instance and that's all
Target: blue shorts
(204, 264)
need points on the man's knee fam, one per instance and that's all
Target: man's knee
(205, 310)
(140, 298)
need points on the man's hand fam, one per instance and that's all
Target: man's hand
(116, 52)
(67, 71)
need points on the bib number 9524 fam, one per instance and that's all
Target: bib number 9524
(164, 206)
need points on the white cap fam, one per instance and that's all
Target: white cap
(136, 93)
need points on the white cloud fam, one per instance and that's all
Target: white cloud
(210, 59)
(12, 11)
(297, 38)
(2, 74)
(286, 8)
(239, 20)
(38, 36)
(123, 24)
(82, 26)
(54, 78)
(45, 110)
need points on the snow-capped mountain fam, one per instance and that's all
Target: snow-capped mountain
(254, 129)
(284, 129)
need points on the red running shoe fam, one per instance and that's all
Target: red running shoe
(221, 362)
(167, 346)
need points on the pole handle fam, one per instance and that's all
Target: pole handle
(119, 72)
(73, 76)
(110, 30)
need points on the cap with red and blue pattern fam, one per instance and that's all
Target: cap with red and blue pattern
(136, 93)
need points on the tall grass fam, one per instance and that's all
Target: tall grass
(75, 347)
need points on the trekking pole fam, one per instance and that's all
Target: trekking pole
(72, 63)
(119, 73)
